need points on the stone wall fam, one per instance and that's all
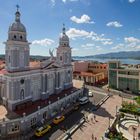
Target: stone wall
(25, 123)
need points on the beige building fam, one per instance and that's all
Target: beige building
(124, 77)
(90, 72)
(98, 67)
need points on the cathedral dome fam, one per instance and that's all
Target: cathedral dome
(64, 37)
(17, 25)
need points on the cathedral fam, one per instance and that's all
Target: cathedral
(34, 94)
(23, 84)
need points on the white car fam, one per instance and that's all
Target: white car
(83, 100)
(90, 94)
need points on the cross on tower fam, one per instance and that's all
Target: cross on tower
(17, 6)
(63, 28)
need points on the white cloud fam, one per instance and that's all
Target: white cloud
(75, 49)
(102, 39)
(43, 42)
(83, 19)
(131, 40)
(114, 24)
(69, 1)
(73, 33)
(130, 43)
(107, 43)
(131, 1)
(119, 46)
(64, 1)
(53, 2)
(88, 46)
(99, 48)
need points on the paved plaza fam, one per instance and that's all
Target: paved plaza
(97, 127)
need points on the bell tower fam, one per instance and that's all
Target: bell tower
(17, 47)
(64, 50)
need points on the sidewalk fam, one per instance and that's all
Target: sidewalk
(121, 93)
(96, 129)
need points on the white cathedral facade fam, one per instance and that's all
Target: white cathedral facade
(22, 86)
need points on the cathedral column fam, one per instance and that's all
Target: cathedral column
(43, 83)
(46, 82)
(56, 80)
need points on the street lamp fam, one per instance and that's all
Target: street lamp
(121, 94)
(108, 122)
(116, 110)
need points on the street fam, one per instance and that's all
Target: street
(71, 119)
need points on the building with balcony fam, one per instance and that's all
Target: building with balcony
(124, 77)
(91, 72)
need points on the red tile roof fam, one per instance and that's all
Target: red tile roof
(3, 71)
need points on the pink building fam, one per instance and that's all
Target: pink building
(90, 72)
(80, 66)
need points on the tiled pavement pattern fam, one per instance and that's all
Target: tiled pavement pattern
(137, 131)
(97, 129)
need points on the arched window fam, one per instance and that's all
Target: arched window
(22, 94)
(21, 37)
(61, 58)
(15, 36)
(22, 81)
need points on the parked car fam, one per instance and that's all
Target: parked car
(42, 130)
(58, 119)
(83, 100)
(90, 94)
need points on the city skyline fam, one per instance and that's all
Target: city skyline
(114, 28)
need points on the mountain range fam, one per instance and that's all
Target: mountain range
(115, 55)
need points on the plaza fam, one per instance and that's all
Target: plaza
(105, 116)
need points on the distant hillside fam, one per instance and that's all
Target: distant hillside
(115, 55)
(32, 57)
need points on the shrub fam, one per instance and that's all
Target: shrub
(122, 115)
(138, 100)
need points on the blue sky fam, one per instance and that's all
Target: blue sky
(94, 26)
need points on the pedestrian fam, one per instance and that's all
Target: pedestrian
(86, 118)
(63, 129)
(94, 117)
(92, 120)
(95, 138)
(92, 137)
